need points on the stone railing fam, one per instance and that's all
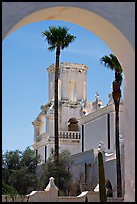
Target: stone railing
(69, 135)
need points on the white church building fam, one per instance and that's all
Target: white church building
(84, 126)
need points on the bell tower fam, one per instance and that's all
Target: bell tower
(71, 82)
(71, 90)
(72, 99)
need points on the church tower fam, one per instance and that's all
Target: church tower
(72, 100)
(71, 91)
(72, 81)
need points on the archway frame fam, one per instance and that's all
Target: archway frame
(122, 48)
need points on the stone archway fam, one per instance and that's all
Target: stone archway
(114, 23)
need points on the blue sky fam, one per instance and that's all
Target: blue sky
(25, 58)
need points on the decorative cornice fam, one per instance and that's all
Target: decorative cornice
(62, 103)
(67, 66)
(98, 113)
(70, 104)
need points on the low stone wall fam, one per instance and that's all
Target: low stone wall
(80, 198)
(70, 199)
(115, 199)
(43, 196)
(93, 196)
(50, 194)
(6, 198)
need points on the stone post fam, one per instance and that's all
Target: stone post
(52, 190)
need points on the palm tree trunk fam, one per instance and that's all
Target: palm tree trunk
(118, 164)
(56, 143)
(116, 97)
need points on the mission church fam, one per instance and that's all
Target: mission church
(84, 126)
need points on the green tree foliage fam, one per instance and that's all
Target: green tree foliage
(11, 159)
(22, 179)
(29, 160)
(49, 170)
(18, 171)
(112, 63)
(9, 190)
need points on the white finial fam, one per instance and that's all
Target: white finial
(51, 185)
(97, 96)
(101, 146)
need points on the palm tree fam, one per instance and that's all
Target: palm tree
(112, 63)
(58, 38)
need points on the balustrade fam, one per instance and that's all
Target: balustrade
(69, 135)
(62, 135)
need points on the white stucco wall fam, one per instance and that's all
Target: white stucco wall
(51, 90)
(66, 114)
(50, 125)
(77, 167)
(72, 72)
(95, 132)
(96, 127)
(41, 153)
(113, 22)
(50, 148)
(90, 157)
(73, 147)
(110, 174)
